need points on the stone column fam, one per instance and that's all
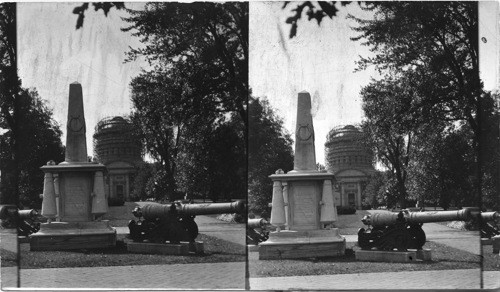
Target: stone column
(49, 198)
(287, 205)
(305, 156)
(328, 212)
(76, 141)
(358, 197)
(341, 194)
(278, 210)
(58, 197)
(99, 203)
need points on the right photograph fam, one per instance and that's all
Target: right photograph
(373, 145)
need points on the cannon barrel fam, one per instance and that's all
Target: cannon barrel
(257, 223)
(385, 219)
(489, 216)
(151, 211)
(27, 214)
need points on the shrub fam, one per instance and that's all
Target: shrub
(115, 202)
(345, 210)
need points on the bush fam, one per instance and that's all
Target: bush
(115, 202)
(345, 210)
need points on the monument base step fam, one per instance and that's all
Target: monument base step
(393, 256)
(290, 244)
(486, 241)
(495, 241)
(183, 248)
(252, 247)
(73, 235)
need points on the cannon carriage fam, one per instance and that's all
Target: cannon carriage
(174, 222)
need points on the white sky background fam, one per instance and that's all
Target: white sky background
(52, 54)
(489, 51)
(319, 59)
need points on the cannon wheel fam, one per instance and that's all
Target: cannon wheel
(363, 239)
(394, 238)
(191, 228)
(417, 236)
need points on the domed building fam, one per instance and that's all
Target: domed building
(351, 163)
(116, 146)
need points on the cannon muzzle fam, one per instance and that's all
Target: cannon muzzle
(152, 211)
(489, 216)
(27, 214)
(257, 223)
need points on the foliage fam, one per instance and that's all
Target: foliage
(9, 103)
(104, 6)
(113, 202)
(39, 140)
(374, 192)
(216, 167)
(207, 41)
(144, 172)
(389, 134)
(312, 11)
(198, 78)
(346, 210)
(269, 149)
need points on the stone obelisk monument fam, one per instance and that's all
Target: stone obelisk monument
(73, 193)
(303, 208)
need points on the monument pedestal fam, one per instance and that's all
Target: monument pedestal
(73, 192)
(393, 256)
(73, 235)
(182, 248)
(302, 244)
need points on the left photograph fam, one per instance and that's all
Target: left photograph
(123, 145)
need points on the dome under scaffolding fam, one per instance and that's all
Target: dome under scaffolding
(117, 147)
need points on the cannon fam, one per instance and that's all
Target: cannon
(23, 220)
(174, 222)
(489, 224)
(402, 230)
(257, 231)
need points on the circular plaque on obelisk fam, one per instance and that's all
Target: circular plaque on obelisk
(76, 124)
(304, 132)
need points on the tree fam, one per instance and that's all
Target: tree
(389, 134)
(374, 192)
(39, 140)
(208, 40)
(9, 103)
(269, 149)
(198, 76)
(437, 44)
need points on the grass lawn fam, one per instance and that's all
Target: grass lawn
(216, 250)
(8, 258)
(443, 258)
